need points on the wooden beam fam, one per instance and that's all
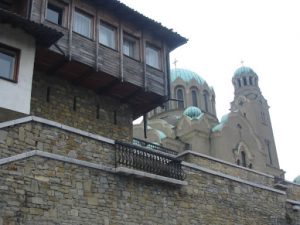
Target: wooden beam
(83, 77)
(107, 88)
(128, 97)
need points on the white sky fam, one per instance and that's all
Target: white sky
(265, 34)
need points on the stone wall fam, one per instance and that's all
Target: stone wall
(47, 192)
(58, 100)
(228, 168)
(33, 135)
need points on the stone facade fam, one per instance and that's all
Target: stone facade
(61, 101)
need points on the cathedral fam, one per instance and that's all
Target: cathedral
(188, 122)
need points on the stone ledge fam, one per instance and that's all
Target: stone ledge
(293, 202)
(223, 162)
(57, 125)
(138, 173)
(236, 179)
(37, 153)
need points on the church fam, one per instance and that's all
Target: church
(188, 122)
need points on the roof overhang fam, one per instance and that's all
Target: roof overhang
(43, 35)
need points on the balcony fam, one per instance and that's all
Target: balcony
(151, 162)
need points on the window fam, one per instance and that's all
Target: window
(153, 57)
(206, 96)
(245, 81)
(131, 46)
(83, 24)
(250, 81)
(194, 98)
(239, 82)
(107, 35)
(9, 60)
(54, 14)
(180, 98)
(244, 162)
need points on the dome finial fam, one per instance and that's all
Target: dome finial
(242, 62)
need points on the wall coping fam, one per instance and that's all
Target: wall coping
(216, 173)
(223, 162)
(293, 202)
(97, 166)
(138, 173)
(57, 125)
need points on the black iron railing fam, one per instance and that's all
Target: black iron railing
(149, 145)
(139, 158)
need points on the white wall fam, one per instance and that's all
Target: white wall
(16, 96)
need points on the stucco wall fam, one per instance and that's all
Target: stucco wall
(16, 96)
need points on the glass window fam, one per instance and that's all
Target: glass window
(244, 162)
(194, 98)
(131, 46)
(83, 24)
(153, 57)
(107, 35)
(54, 14)
(180, 98)
(8, 63)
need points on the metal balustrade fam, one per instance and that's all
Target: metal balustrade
(139, 158)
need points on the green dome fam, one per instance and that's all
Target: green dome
(192, 112)
(244, 71)
(186, 76)
(297, 180)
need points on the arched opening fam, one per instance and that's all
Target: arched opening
(239, 82)
(243, 158)
(250, 81)
(180, 98)
(245, 81)
(194, 98)
(213, 102)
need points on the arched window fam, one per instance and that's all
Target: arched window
(239, 82)
(206, 97)
(245, 81)
(243, 156)
(213, 102)
(180, 98)
(194, 98)
(250, 81)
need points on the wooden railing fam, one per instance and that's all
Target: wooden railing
(139, 158)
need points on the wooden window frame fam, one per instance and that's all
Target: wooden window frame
(111, 27)
(64, 12)
(136, 48)
(80, 11)
(16, 54)
(159, 51)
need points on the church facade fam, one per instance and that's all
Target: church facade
(189, 123)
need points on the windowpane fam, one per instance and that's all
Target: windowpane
(54, 14)
(153, 57)
(180, 99)
(7, 64)
(128, 47)
(194, 98)
(107, 36)
(83, 24)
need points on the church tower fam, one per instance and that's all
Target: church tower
(250, 102)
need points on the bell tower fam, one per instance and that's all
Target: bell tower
(250, 102)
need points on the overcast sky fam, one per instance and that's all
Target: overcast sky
(265, 34)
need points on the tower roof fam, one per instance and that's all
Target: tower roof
(244, 70)
(186, 76)
(192, 112)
